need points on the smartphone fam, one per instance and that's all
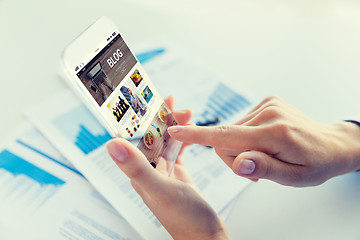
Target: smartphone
(101, 69)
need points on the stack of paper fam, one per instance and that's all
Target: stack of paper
(42, 191)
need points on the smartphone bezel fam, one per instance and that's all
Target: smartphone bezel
(83, 49)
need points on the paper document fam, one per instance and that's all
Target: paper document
(42, 199)
(75, 132)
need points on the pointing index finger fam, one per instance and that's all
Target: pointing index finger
(230, 137)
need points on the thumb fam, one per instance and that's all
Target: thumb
(134, 164)
(255, 165)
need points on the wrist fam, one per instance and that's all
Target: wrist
(348, 135)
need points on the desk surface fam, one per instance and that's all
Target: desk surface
(307, 52)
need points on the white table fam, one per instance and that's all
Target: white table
(308, 53)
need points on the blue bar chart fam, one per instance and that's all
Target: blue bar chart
(222, 104)
(88, 142)
(148, 55)
(24, 186)
(63, 162)
(81, 127)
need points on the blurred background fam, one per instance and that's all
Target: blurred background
(306, 52)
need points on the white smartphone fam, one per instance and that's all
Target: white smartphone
(104, 72)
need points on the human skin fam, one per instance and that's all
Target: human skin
(174, 200)
(277, 142)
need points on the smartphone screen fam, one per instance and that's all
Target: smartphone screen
(123, 94)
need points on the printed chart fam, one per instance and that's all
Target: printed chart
(222, 104)
(23, 186)
(81, 127)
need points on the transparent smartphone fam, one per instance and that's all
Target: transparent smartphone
(103, 71)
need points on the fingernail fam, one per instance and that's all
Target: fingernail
(117, 151)
(246, 167)
(175, 129)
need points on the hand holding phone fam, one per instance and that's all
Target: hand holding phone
(105, 73)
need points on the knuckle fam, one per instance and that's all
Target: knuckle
(221, 132)
(272, 112)
(273, 101)
(271, 98)
(282, 127)
(282, 130)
